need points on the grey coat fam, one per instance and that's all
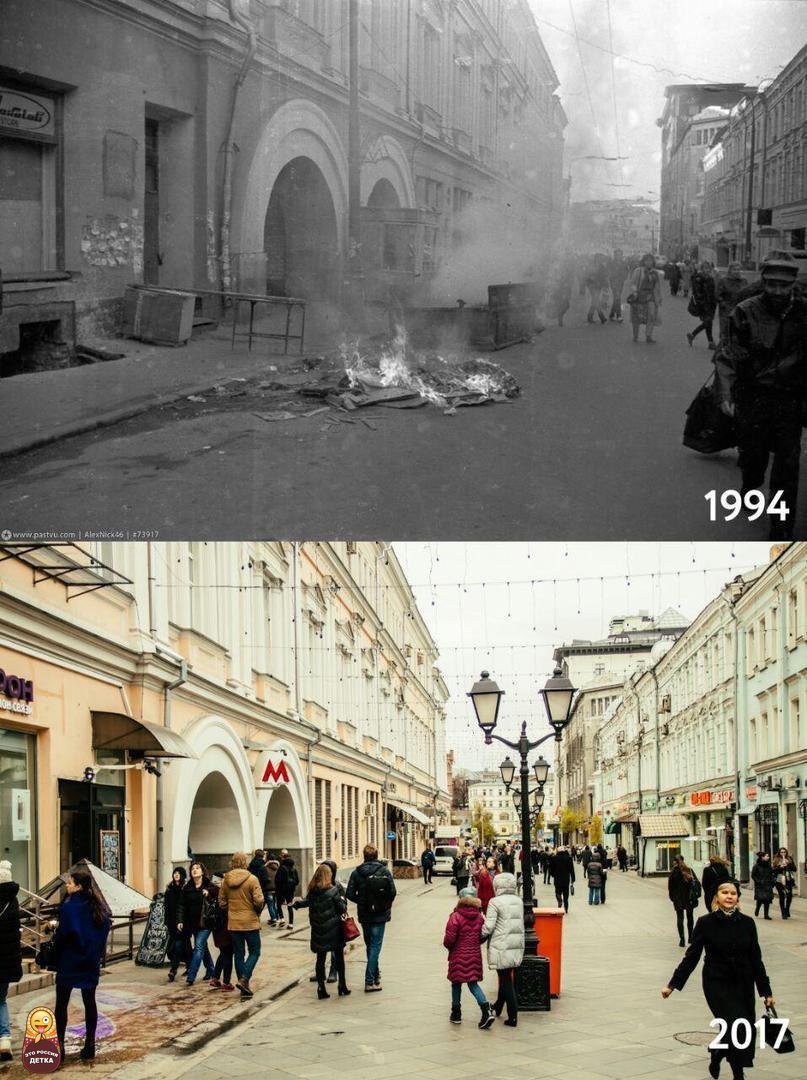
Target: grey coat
(504, 925)
(595, 872)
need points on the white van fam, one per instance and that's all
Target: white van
(444, 856)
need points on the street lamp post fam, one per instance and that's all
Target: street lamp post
(557, 695)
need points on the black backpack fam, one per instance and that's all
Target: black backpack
(377, 891)
(694, 891)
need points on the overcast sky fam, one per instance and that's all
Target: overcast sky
(556, 592)
(695, 40)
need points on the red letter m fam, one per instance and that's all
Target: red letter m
(276, 772)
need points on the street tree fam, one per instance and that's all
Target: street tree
(595, 830)
(482, 823)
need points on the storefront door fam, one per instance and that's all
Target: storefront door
(86, 811)
(18, 805)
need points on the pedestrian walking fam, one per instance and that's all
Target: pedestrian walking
(223, 940)
(762, 876)
(507, 860)
(333, 974)
(617, 276)
(286, 881)
(485, 886)
(461, 869)
(727, 291)
(732, 967)
(622, 859)
(560, 289)
(272, 867)
(257, 866)
(762, 382)
(196, 920)
(585, 858)
(547, 867)
(703, 303)
(427, 865)
(684, 892)
(504, 930)
(644, 299)
(176, 949)
(242, 897)
(78, 946)
(784, 878)
(326, 905)
(714, 874)
(594, 873)
(672, 272)
(10, 952)
(562, 867)
(372, 889)
(463, 939)
(687, 270)
(597, 285)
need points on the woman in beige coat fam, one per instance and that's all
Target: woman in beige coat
(242, 896)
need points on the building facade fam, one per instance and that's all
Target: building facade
(627, 646)
(225, 696)
(682, 149)
(487, 793)
(630, 225)
(710, 738)
(206, 148)
(755, 173)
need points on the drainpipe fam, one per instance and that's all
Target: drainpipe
(658, 743)
(736, 747)
(227, 182)
(160, 814)
(298, 694)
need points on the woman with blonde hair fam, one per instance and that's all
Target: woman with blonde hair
(326, 905)
(732, 967)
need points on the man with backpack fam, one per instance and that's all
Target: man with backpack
(372, 889)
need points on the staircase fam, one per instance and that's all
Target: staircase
(36, 922)
(32, 978)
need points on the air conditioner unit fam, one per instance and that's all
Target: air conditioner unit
(369, 810)
(666, 703)
(351, 546)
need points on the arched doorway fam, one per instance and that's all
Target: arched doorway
(300, 234)
(215, 829)
(281, 829)
(383, 195)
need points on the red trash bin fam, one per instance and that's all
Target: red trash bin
(549, 928)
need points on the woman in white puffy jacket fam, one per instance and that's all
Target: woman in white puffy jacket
(504, 929)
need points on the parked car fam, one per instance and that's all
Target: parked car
(444, 857)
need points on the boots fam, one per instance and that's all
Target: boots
(456, 1015)
(5, 1048)
(488, 1017)
(714, 1064)
(343, 991)
(322, 993)
(88, 1050)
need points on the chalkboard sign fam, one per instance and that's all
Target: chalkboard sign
(110, 852)
(154, 942)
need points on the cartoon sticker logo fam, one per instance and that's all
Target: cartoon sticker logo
(40, 1050)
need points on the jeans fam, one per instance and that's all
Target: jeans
(90, 1012)
(271, 907)
(251, 940)
(373, 940)
(224, 965)
(290, 906)
(5, 1023)
(602, 889)
(507, 993)
(679, 918)
(200, 952)
(476, 990)
(594, 894)
(427, 875)
(547, 875)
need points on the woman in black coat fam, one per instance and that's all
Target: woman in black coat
(732, 967)
(762, 876)
(704, 302)
(175, 950)
(10, 951)
(679, 889)
(713, 876)
(326, 906)
(784, 878)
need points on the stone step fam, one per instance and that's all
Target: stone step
(32, 979)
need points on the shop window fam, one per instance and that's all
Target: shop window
(18, 805)
(666, 851)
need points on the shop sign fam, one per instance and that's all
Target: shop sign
(20, 814)
(710, 798)
(649, 802)
(271, 769)
(16, 694)
(751, 793)
(26, 112)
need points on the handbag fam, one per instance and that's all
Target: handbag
(707, 428)
(572, 889)
(210, 908)
(46, 957)
(770, 1033)
(349, 929)
(692, 307)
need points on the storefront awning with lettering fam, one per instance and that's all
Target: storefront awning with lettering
(410, 811)
(116, 731)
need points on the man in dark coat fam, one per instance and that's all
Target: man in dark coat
(372, 889)
(286, 881)
(461, 869)
(622, 858)
(10, 951)
(427, 865)
(562, 870)
(257, 867)
(617, 275)
(732, 967)
(762, 382)
(507, 861)
(585, 859)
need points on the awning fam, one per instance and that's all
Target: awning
(611, 826)
(410, 811)
(657, 825)
(116, 731)
(626, 819)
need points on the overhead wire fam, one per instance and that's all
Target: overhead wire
(613, 96)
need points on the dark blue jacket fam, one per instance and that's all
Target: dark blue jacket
(427, 858)
(356, 887)
(79, 944)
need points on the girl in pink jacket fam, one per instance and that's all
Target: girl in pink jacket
(463, 939)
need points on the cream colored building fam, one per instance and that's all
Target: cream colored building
(486, 790)
(287, 694)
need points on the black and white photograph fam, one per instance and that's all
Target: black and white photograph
(339, 267)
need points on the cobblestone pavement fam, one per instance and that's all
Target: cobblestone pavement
(610, 1020)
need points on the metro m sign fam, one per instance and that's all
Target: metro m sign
(271, 769)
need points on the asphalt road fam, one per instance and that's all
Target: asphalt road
(590, 451)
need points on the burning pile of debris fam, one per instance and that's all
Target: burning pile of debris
(395, 376)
